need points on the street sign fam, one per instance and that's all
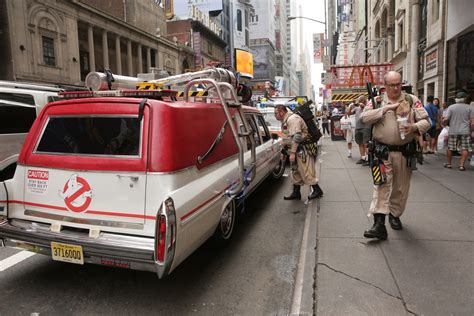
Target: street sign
(326, 63)
(326, 77)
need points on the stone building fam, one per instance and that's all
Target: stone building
(207, 45)
(61, 41)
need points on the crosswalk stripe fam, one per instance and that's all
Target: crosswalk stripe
(16, 258)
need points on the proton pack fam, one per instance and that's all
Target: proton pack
(304, 111)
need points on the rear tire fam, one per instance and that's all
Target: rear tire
(226, 224)
(277, 173)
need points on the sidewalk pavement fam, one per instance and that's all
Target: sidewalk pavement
(425, 269)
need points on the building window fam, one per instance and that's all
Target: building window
(246, 19)
(401, 37)
(48, 51)
(239, 20)
(209, 48)
(435, 10)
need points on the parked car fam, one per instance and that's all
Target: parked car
(274, 126)
(20, 103)
(137, 181)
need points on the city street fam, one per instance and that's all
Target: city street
(425, 269)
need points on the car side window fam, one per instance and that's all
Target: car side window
(17, 112)
(263, 129)
(253, 126)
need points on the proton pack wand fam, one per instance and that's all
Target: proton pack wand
(377, 166)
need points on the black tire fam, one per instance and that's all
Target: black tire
(277, 173)
(226, 224)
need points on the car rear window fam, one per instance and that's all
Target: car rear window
(109, 136)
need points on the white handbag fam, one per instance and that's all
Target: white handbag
(345, 123)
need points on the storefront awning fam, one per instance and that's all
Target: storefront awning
(347, 97)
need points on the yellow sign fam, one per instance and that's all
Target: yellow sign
(244, 63)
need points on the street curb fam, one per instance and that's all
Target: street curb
(305, 282)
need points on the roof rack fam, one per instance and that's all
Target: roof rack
(216, 83)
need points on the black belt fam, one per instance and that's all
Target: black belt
(395, 147)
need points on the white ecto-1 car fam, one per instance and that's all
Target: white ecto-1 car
(139, 180)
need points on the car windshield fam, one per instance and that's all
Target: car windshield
(109, 136)
(271, 120)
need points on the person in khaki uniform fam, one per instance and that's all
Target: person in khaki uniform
(294, 132)
(390, 198)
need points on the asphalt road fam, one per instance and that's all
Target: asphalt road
(253, 275)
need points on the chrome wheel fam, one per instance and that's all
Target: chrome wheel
(277, 173)
(227, 220)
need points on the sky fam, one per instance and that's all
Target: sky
(313, 9)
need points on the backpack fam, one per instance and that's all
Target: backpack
(304, 111)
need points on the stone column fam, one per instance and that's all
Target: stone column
(90, 42)
(157, 63)
(159, 60)
(140, 61)
(129, 58)
(148, 59)
(105, 50)
(390, 46)
(414, 39)
(118, 55)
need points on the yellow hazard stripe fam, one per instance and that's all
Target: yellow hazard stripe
(193, 93)
(148, 86)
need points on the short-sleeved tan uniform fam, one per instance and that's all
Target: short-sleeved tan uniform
(391, 197)
(305, 172)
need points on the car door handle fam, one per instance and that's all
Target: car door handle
(133, 178)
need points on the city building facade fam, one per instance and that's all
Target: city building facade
(61, 42)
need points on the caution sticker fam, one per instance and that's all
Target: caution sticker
(37, 181)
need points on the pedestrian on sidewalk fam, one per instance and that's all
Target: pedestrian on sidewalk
(432, 109)
(460, 117)
(362, 131)
(390, 197)
(349, 133)
(294, 132)
(325, 121)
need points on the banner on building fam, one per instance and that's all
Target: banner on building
(326, 63)
(326, 78)
(357, 76)
(197, 49)
(342, 17)
(318, 39)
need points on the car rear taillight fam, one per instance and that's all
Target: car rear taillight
(161, 239)
(165, 235)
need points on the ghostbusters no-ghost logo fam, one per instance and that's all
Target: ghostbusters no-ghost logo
(77, 194)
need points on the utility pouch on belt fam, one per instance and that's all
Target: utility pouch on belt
(410, 149)
(311, 147)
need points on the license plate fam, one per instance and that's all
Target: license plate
(67, 253)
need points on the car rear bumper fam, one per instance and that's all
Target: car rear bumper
(132, 252)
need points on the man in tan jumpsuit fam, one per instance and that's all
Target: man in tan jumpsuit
(390, 198)
(294, 132)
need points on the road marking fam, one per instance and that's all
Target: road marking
(16, 258)
(298, 291)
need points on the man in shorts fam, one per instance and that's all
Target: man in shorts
(460, 117)
(362, 131)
